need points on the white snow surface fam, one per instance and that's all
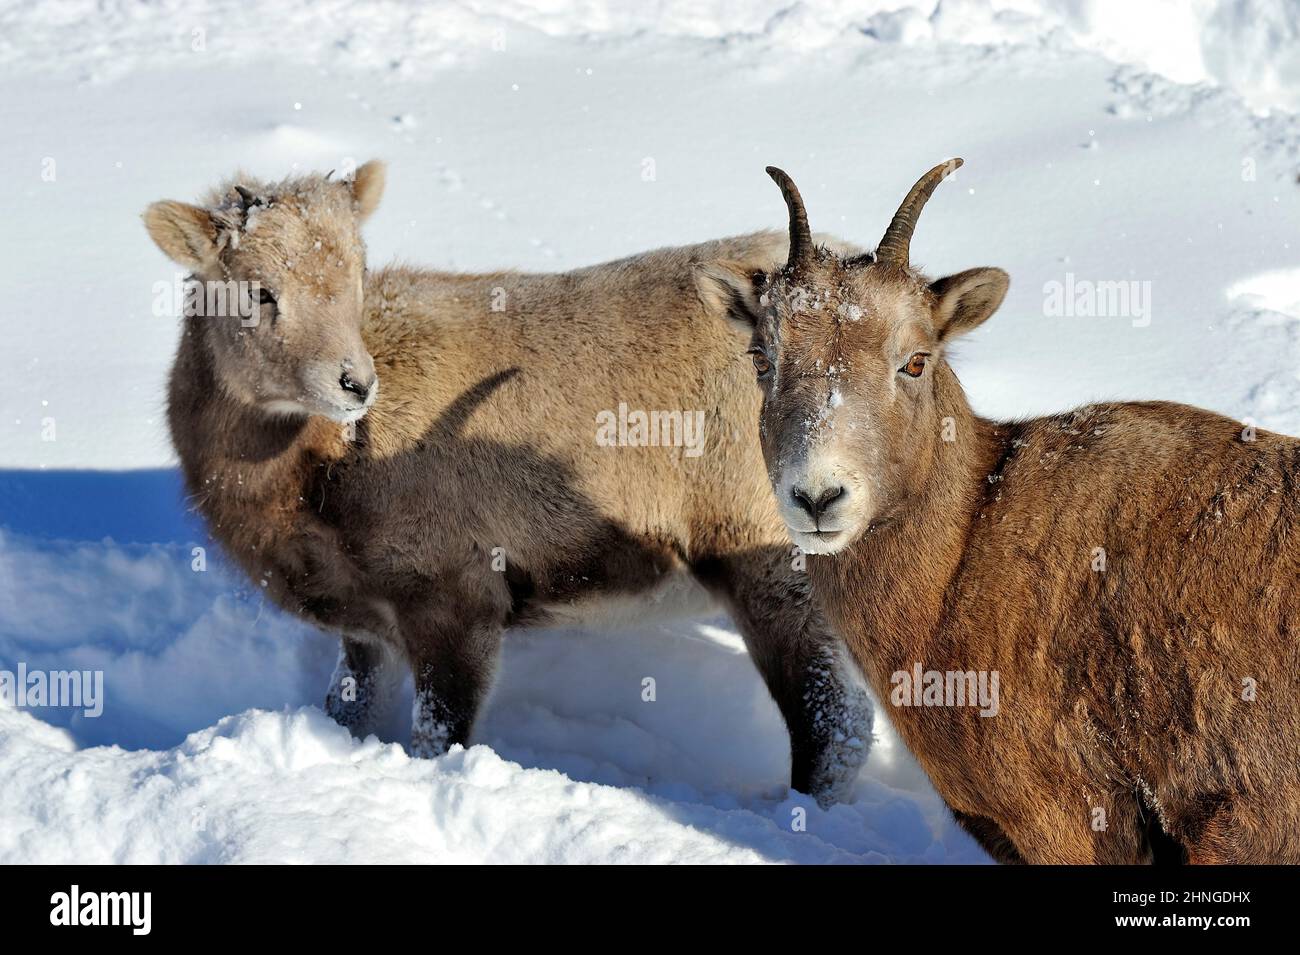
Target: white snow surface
(1249, 46)
(1146, 142)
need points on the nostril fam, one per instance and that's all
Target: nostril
(348, 383)
(829, 497)
(816, 507)
(802, 498)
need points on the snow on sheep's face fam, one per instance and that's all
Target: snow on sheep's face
(288, 263)
(849, 355)
(845, 358)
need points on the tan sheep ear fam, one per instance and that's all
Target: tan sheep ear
(731, 289)
(967, 299)
(186, 234)
(368, 187)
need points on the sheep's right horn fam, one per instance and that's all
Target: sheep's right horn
(801, 243)
(895, 247)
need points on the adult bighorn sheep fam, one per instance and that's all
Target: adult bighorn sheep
(1128, 573)
(470, 492)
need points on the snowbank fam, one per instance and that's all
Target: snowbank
(574, 766)
(293, 787)
(1248, 46)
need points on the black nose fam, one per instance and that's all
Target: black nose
(815, 508)
(360, 389)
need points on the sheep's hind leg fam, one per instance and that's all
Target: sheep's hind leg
(831, 733)
(815, 685)
(453, 663)
(364, 688)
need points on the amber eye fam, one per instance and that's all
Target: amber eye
(761, 364)
(915, 365)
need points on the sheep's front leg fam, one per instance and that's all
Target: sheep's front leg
(1052, 825)
(990, 837)
(363, 691)
(453, 661)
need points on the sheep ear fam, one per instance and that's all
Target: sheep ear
(368, 187)
(186, 234)
(731, 289)
(967, 299)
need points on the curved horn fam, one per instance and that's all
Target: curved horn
(801, 243)
(249, 200)
(894, 247)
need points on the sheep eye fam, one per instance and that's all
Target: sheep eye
(265, 297)
(915, 365)
(761, 363)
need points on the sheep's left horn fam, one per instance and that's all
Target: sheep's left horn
(895, 247)
(801, 243)
(249, 200)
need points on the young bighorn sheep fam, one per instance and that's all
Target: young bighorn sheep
(470, 491)
(1129, 572)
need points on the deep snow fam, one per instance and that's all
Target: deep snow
(520, 137)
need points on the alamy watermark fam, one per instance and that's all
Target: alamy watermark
(917, 687)
(133, 910)
(1084, 298)
(191, 298)
(651, 429)
(72, 689)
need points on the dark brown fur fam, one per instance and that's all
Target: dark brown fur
(1122, 689)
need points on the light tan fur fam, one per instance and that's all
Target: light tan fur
(473, 494)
